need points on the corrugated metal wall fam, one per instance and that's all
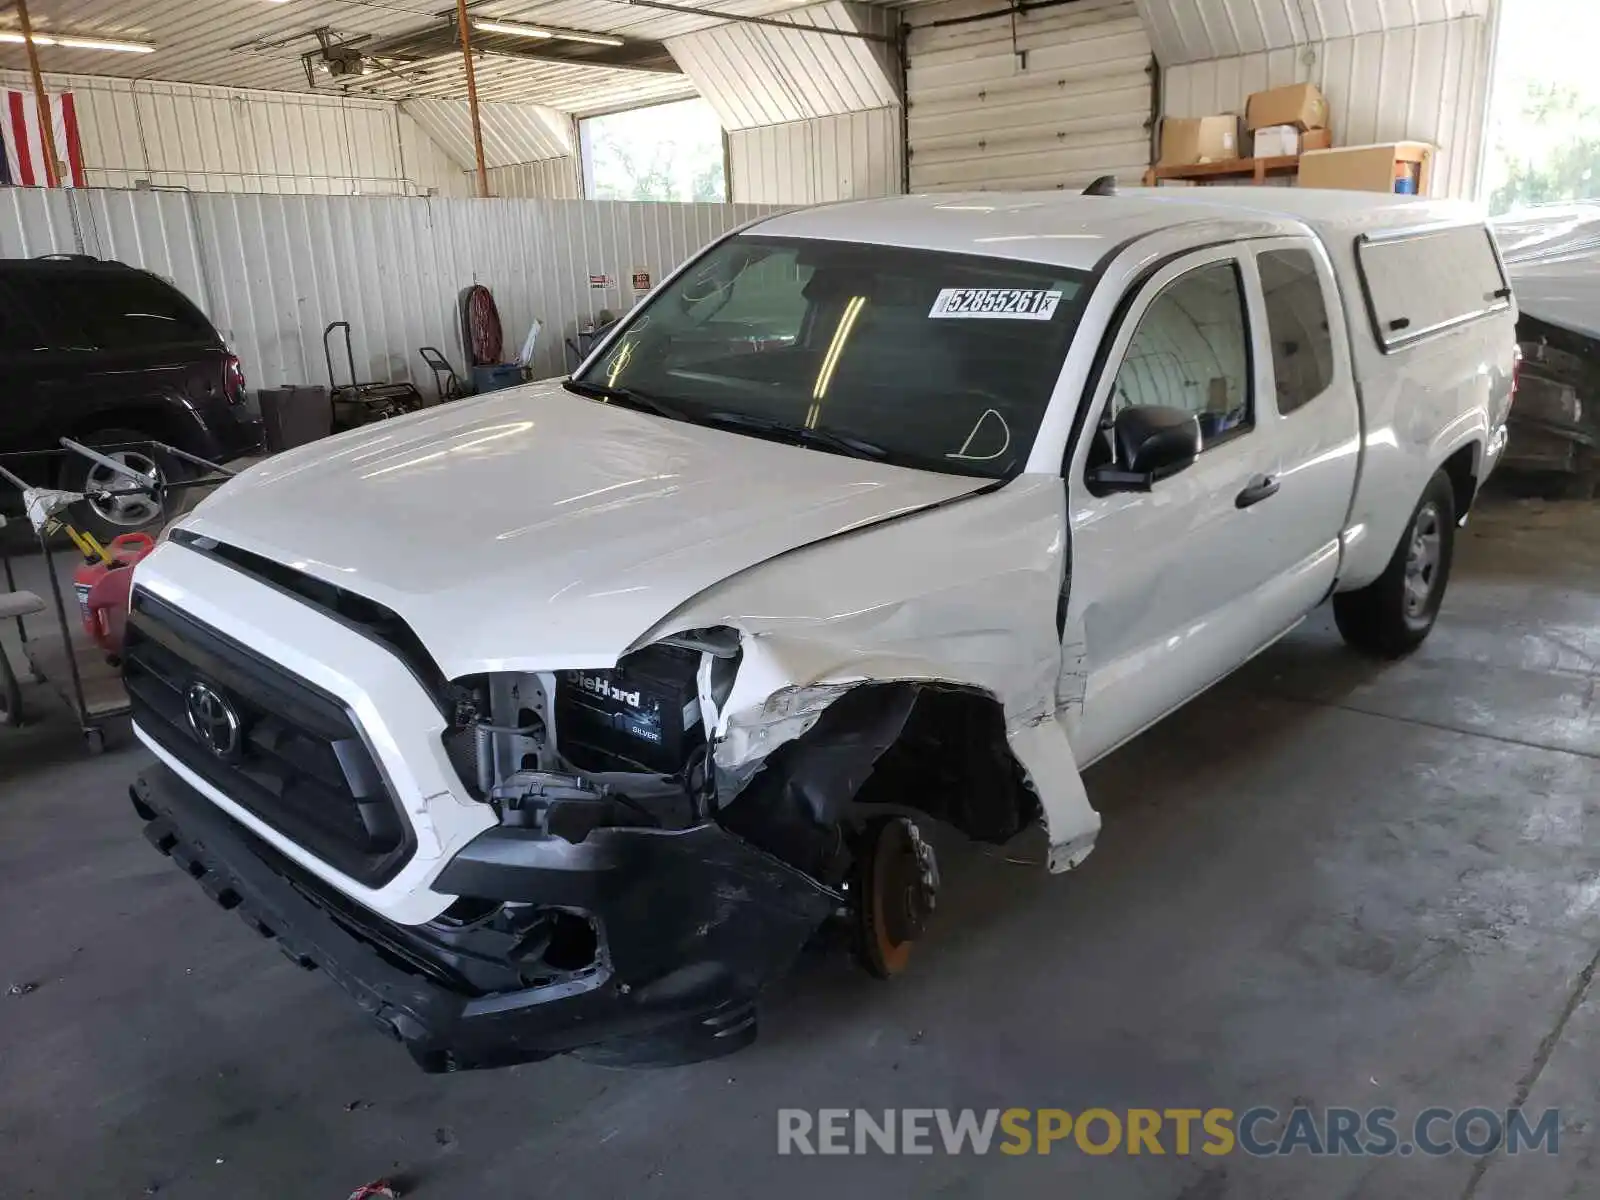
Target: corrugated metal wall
(233, 140)
(812, 162)
(512, 133)
(258, 43)
(1043, 99)
(271, 271)
(1428, 83)
(549, 178)
(1189, 31)
(424, 162)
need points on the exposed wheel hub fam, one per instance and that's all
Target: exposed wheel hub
(898, 889)
(121, 500)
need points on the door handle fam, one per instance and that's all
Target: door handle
(1257, 490)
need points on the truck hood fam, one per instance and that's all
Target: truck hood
(533, 529)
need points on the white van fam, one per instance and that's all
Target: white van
(561, 718)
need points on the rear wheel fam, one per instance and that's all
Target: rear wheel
(1390, 616)
(124, 507)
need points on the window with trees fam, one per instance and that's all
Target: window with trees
(1544, 127)
(665, 152)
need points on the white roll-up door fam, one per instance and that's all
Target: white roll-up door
(1046, 98)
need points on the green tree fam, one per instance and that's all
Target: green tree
(621, 174)
(1571, 171)
(708, 183)
(665, 152)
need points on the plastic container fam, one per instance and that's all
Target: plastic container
(103, 588)
(496, 376)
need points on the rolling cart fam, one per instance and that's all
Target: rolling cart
(88, 681)
(445, 379)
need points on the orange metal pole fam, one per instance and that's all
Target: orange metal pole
(47, 131)
(472, 95)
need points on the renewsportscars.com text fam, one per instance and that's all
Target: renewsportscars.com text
(1260, 1131)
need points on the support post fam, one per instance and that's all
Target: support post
(47, 132)
(463, 26)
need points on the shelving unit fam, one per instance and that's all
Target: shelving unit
(1259, 170)
(1249, 170)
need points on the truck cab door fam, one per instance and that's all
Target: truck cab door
(1168, 590)
(1312, 417)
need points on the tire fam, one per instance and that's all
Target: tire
(129, 513)
(1393, 614)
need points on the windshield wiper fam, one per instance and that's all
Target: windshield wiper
(628, 396)
(842, 442)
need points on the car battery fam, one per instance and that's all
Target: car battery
(643, 714)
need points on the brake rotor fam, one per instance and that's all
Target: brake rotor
(899, 885)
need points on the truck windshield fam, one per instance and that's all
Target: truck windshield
(920, 358)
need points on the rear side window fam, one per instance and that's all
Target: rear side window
(1419, 283)
(113, 310)
(134, 309)
(53, 302)
(17, 332)
(1297, 324)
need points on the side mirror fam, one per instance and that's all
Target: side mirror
(1151, 443)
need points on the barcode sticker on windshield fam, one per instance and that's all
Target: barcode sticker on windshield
(1013, 304)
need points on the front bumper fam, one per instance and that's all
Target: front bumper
(691, 925)
(229, 431)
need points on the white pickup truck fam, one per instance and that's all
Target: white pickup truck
(560, 719)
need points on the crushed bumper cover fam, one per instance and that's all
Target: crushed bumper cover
(691, 925)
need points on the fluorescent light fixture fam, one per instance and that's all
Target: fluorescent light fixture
(513, 30)
(12, 37)
(594, 39)
(536, 31)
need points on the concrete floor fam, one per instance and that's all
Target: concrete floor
(1328, 882)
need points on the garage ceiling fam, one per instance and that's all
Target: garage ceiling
(512, 133)
(1193, 30)
(259, 43)
(756, 75)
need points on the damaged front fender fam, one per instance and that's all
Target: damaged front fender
(956, 603)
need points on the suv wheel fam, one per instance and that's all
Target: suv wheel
(125, 509)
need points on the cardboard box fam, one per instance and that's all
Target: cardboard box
(1281, 140)
(1186, 141)
(1368, 168)
(1276, 141)
(1300, 104)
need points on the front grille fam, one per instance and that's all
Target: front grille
(298, 762)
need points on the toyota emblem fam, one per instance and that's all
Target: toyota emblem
(213, 720)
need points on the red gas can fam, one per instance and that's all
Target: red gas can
(103, 588)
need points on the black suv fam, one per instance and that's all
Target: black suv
(111, 355)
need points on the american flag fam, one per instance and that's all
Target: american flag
(23, 163)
